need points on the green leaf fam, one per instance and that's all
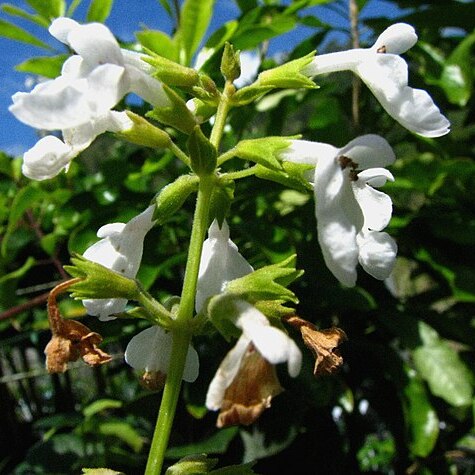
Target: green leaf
(195, 16)
(48, 9)
(47, 66)
(18, 12)
(215, 444)
(13, 32)
(24, 199)
(99, 10)
(423, 422)
(158, 42)
(123, 431)
(101, 405)
(20, 272)
(441, 366)
(457, 75)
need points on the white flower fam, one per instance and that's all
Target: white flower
(220, 263)
(150, 351)
(79, 101)
(350, 213)
(50, 155)
(385, 73)
(272, 344)
(120, 250)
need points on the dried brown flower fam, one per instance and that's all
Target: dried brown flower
(322, 343)
(70, 340)
(251, 391)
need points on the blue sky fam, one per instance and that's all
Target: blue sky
(16, 137)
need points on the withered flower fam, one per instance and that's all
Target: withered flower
(250, 392)
(70, 340)
(323, 344)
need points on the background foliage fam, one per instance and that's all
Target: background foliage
(403, 402)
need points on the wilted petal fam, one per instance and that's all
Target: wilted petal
(225, 374)
(150, 351)
(377, 253)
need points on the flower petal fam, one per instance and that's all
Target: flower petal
(150, 350)
(396, 39)
(46, 158)
(95, 43)
(369, 151)
(306, 152)
(375, 205)
(386, 76)
(377, 253)
(220, 263)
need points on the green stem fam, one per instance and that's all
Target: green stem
(240, 173)
(179, 153)
(181, 332)
(222, 114)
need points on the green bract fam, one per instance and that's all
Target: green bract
(202, 153)
(98, 282)
(171, 198)
(144, 133)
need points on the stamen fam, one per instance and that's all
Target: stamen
(382, 49)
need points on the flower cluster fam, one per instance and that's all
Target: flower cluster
(79, 101)
(351, 213)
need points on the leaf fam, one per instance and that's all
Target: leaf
(423, 422)
(23, 200)
(158, 42)
(18, 12)
(457, 75)
(124, 431)
(442, 368)
(216, 444)
(48, 9)
(13, 32)
(195, 16)
(99, 10)
(101, 405)
(46, 66)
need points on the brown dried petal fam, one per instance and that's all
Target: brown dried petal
(153, 380)
(251, 391)
(322, 343)
(70, 341)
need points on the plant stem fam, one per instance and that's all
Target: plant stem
(222, 114)
(181, 332)
(182, 328)
(179, 154)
